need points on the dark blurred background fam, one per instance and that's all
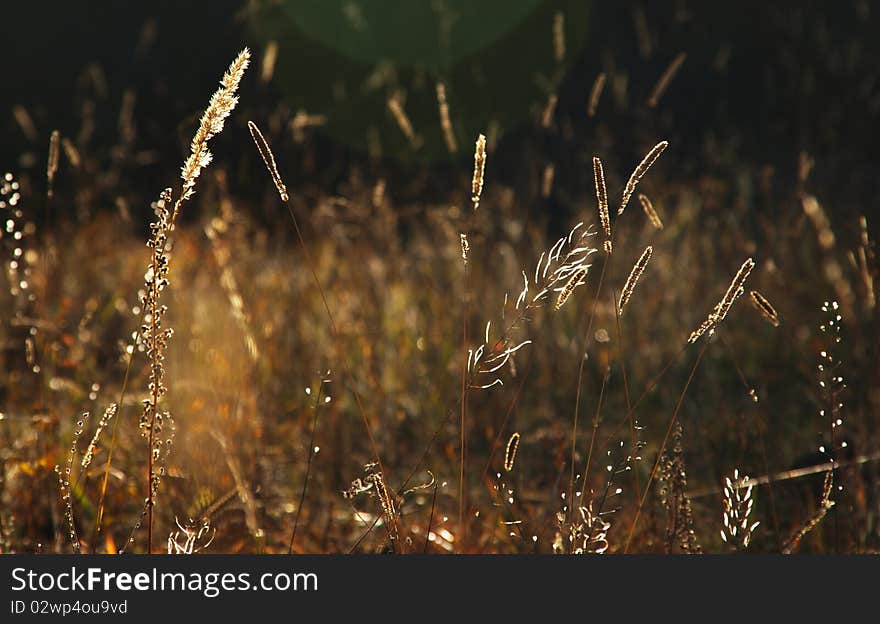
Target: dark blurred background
(761, 82)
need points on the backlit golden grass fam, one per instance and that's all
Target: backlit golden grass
(359, 375)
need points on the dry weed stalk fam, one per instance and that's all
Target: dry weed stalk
(479, 171)
(596, 93)
(866, 258)
(648, 207)
(378, 198)
(373, 483)
(738, 504)
(721, 309)
(672, 486)
(813, 209)
(554, 272)
(270, 57)
(302, 121)
(445, 122)
(587, 534)
(70, 151)
(549, 111)
(21, 264)
(108, 415)
(510, 451)
(805, 166)
(643, 32)
(831, 382)
(764, 306)
(831, 385)
(831, 268)
(825, 505)
(25, 122)
(559, 36)
(312, 450)
(219, 108)
(640, 172)
(633, 279)
(665, 79)
(64, 480)
(573, 282)
(547, 180)
(395, 105)
(16, 232)
(602, 199)
(52, 161)
(153, 336)
(191, 538)
(268, 159)
(476, 191)
(125, 123)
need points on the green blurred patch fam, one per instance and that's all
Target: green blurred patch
(345, 59)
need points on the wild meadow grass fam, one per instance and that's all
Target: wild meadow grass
(456, 376)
